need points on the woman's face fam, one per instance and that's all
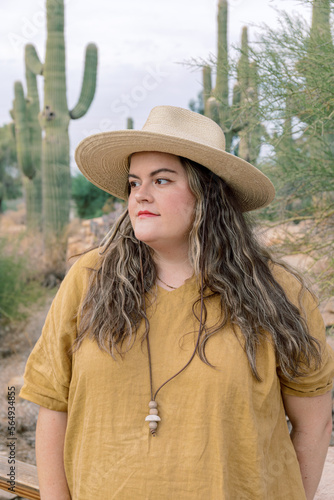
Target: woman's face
(161, 204)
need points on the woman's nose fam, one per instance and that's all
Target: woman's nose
(143, 193)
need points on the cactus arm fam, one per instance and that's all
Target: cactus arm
(32, 89)
(221, 89)
(237, 123)
(32, 60)
(22, 132)
(236, 96)
(33, 109)
(243, 64)
(239, 109)
(88, 83)
(207, 85)
(33, 190)
(212, 109)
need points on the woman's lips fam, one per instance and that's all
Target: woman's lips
(145, 214)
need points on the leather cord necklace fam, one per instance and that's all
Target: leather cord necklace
(153, 417)
(169, 286)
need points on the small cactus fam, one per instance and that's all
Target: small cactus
(129, 123)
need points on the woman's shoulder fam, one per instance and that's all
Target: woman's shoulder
(295, 286)
(77, 277)
(285, 276)
(88, 260)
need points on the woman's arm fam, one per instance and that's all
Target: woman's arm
(311, 420)
(50, 436)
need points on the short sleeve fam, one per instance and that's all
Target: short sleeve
(317, 381)
(49, 367)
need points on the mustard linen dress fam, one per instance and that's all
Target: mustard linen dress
(222, 434)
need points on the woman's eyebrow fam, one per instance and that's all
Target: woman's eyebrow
(155, 172)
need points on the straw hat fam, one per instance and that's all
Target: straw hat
(104, 158)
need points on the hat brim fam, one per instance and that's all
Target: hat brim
(104, 160)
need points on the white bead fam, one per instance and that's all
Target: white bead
(152, 418)
(153, 425)
(152, 404)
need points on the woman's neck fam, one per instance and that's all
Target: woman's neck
(172, 271)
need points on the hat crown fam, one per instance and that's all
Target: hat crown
(185, 124)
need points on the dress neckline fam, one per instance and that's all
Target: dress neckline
(187, 282)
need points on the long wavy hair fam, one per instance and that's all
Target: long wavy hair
(234, 267)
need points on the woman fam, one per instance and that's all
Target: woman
(171, 353)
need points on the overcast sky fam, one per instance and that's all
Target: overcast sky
(142, 47)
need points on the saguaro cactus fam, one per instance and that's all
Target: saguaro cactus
(238, 118)
(245, 109)
(28, 144)
(321, 25)
(317, 69)
(54, 120)
(216, 102)
(320, 54)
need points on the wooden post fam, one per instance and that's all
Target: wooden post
(26, 480)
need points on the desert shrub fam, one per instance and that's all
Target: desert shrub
(18, 285)
(89, 199)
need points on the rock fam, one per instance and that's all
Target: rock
(327, 310)
(16, 382)
(272, 236)
(277, 235)
(321, 265)
(300, 262)
(5, 352)
(5, 495)
(325, 488)
(329, 305)
(328, 319)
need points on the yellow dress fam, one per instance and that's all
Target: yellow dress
(222, 434)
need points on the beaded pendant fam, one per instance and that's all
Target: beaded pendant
(153, 418)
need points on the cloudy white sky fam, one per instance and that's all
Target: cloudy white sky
(142, 45)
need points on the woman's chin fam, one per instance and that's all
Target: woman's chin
(145, 238)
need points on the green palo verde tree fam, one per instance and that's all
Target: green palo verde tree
(239, 119)
(295, 79)
(54, 120)
(28, 136)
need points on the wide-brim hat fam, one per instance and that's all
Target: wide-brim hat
(104, 158)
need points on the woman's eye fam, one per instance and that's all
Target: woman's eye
(162, 181)
(133, 184)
